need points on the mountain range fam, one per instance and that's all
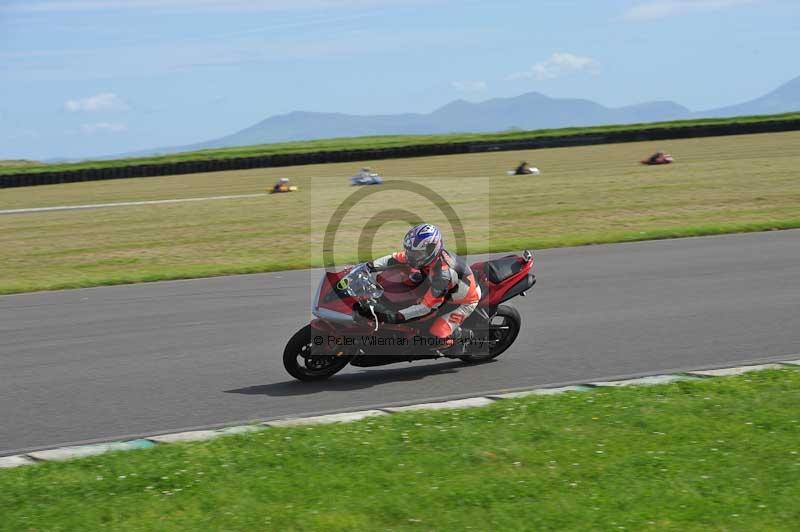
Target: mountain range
(532, 110)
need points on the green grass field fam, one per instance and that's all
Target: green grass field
(374, 142)
(593, 194)
(720, 454)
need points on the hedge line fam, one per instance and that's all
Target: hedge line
(296, 159)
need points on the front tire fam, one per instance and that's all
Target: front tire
(301, 365)
(504, 329)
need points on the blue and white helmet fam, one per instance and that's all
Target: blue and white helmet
(422, 244)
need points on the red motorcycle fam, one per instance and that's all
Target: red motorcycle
(340, 335)
(658, 158)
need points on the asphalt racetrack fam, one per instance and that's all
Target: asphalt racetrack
(112, 362)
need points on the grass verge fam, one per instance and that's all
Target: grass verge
(376, 142)
(719, 454)
(216, 270)
(585, 195)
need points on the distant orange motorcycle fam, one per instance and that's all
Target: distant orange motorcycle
(282, 186)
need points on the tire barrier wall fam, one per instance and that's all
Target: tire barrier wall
(424, 150)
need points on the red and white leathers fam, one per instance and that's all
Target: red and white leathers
(451, 280)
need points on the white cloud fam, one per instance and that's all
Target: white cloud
(103, 127)
(656, 9)
(469, 86)
(556, 65)
(105, 101)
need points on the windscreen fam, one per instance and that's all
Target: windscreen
(360, 284)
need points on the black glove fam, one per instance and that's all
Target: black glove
(362, 309)
(382, 312)
(387, 315)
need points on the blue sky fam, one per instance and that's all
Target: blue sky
(83, 78)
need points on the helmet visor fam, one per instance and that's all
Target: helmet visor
(420, 257)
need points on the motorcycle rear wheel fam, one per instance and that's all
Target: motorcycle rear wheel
(301, 365)
(511, 322)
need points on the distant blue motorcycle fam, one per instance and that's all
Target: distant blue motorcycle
(366, 177)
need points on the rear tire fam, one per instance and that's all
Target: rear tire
(506, 316)
(303, 367)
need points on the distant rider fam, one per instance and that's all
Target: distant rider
(523, 169)
(366, 177)
(451, 281)
(282, 185)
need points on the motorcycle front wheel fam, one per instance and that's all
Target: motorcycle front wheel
(302, 365)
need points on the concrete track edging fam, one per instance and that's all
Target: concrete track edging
(60, 454)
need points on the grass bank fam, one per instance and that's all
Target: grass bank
(585, 195)
(128, 272)
(377, 142)
(720, 454)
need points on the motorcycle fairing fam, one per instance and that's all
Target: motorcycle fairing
(504, 278)
(500, 280)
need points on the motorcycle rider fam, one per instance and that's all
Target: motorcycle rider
(523, 169)
(366, 177)
(282, 185)
(451, 280)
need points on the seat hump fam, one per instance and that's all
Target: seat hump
(499, 270)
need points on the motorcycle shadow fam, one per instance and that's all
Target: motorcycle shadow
(344, 382)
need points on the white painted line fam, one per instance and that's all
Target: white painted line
(344, 417)
(69, 453)
(643, 381)
(792, 362)
(14, 461)
(194, 435)
(539, 391)
(738, 370)
(458, 403)
(124, 204)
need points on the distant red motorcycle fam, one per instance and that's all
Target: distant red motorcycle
(340, 335)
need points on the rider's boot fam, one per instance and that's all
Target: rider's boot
(464, 338)
(456, 344)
